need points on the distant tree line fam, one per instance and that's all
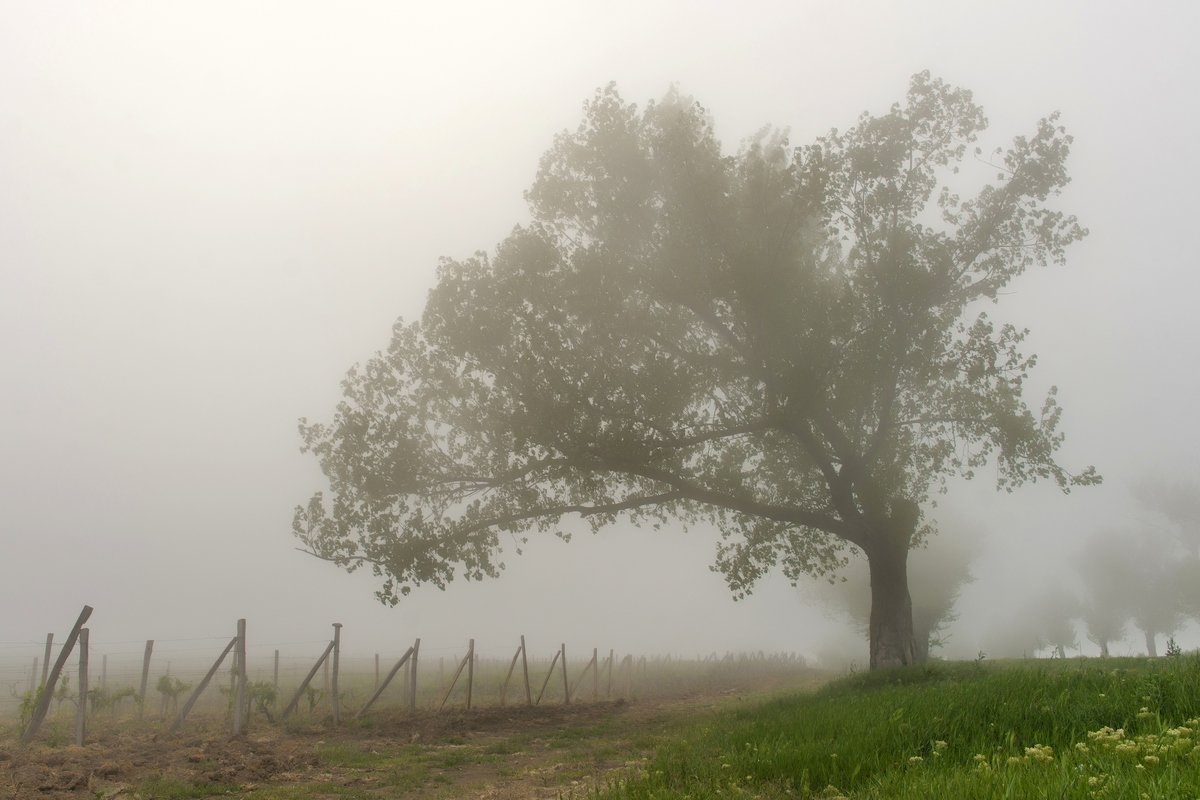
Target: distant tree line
(1145, 576)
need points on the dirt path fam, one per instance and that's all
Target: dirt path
(495, 753)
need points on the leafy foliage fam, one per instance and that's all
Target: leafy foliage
(785, 342)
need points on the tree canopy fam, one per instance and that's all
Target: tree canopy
(786, 342)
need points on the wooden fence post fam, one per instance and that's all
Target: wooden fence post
(191, 701)
(591, 665)
(566, 686)
(46, 659)
(291, 706)
(239, 694)
(469, 658)
(508, 675)
(549, 675)
(412, 686)
(81, 709)
(403, 660)
(337, 649)
(145, 677)
(43, 705)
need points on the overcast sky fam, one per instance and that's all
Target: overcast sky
(210, 211)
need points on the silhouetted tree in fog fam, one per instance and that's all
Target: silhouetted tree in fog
(785, 342)
(1144, 577)
(1156, 599)
(1108, 579)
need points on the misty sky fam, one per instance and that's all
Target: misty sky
(209, 211)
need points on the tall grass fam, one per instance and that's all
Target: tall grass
(1110, 729)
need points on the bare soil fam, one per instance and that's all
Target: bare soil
(500, 753)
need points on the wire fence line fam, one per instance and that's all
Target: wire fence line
(170, 678)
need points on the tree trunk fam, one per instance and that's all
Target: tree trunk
(891, 606)
(1151, 649)
(922, 634)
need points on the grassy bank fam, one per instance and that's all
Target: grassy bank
(1118, 728)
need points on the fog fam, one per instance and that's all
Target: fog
(209, 212)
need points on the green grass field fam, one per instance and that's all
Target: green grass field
(1117, 728)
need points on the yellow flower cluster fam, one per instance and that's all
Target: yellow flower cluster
(1042, 753)
(1148, 748)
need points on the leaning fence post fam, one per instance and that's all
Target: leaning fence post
(239, 694)
(337, 647)
(549, 675)
(81, 709)
(291, 706)
(468, 658)
(409, 653)
(46, 659)
(191, 701)
(43, 705)
(145, 677)
(508, 675)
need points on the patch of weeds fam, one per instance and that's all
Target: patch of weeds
(506, 747)
(407, 769)
(56, 734)
(311, 791)
(344, 755)
(164, 788)
(448, 759)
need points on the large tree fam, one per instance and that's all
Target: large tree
(786, 342)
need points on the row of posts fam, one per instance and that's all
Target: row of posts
(329, 658)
